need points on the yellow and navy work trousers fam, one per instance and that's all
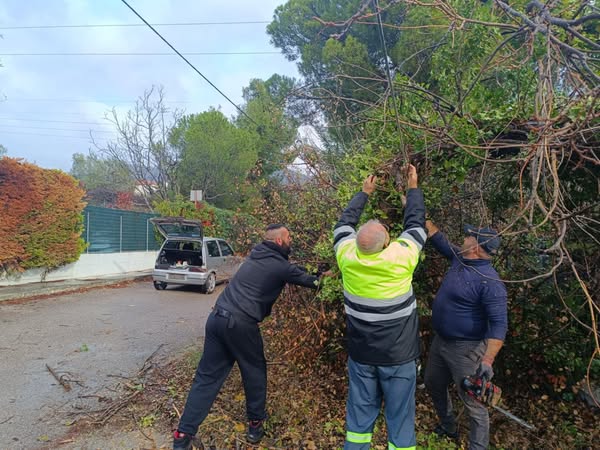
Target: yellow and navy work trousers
(369, 385)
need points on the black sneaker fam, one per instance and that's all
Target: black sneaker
(256, 431)
(182, 441)
(441, 431)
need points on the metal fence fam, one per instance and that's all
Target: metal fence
(113, 230)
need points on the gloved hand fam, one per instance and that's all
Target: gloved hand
(485, 369)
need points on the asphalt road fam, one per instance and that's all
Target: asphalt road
(90, 338)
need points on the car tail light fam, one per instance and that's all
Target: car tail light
(196, 269)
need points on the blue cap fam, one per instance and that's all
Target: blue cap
(487, 238)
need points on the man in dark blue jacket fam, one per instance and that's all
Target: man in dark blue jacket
(233, 335)
(470, 321)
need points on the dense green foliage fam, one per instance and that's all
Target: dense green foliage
(41, 225)
(267, 117)
(474, 87)
(302, 29)
(215, 156)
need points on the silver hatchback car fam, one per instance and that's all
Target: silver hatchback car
(189, 258)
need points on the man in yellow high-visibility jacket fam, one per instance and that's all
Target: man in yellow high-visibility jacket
(381, 317)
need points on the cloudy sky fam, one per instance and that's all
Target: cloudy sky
(49, 104)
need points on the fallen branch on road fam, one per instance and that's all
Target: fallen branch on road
(6, 420)
(146, 367)
(64, 384)
(134, 384)
(114, 409)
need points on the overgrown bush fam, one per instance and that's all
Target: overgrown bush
(549, 344)
(41, 220)
(242, 230)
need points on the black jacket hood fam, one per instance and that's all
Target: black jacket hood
(268, 249)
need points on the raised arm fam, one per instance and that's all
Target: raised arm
(440, 242)
(345, 228)
(414, 212)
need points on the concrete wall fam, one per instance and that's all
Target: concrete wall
(94, 265)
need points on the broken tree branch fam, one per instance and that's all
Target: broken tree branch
(59, 379)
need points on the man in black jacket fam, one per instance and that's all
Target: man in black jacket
(233, 335)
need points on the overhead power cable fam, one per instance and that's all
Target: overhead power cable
(56, 129)
(43, 113)
(125, 25)
(74, 100)
(56, 121)
(141, 53)
(189, 63)
(48, 135)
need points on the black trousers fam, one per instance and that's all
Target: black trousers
(229, 338)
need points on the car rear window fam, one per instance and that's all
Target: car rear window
(183, 245)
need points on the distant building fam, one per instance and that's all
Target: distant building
(145, 188)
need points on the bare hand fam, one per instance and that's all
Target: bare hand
(370, 184)
(412, 177)
(431, 228)
(328, 273)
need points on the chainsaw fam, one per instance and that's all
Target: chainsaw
(489, 394)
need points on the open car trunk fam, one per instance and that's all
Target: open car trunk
(178, 227)
(180, 255)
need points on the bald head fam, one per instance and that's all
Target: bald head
(372, 237)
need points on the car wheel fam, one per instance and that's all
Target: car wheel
(160, 285)
(211, 282)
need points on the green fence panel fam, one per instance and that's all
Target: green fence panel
(109, 230)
